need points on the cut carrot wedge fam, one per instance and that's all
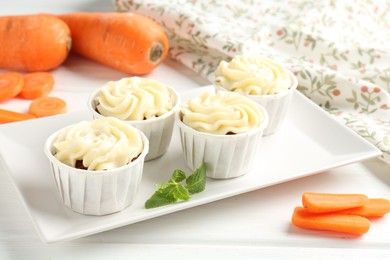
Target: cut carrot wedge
(337, 222)
(7, 116)
(47, 106)
(375, 207)
(328, 202)
(37, 84)
(11, 83)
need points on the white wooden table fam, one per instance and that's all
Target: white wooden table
(254, 225)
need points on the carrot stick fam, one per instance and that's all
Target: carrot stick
(7, 116)
(37, 42)
(47, 106)
(327, 202)
(375, 207)
(128, 42)
(37, 84)
(338, 222)
(11, 83)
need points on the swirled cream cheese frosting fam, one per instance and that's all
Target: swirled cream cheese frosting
(222, 113)
(101, 144)
(134, 98)
(253, 75)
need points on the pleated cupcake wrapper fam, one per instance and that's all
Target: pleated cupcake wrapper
(276, 105)
(157, 130)
(97, 192)
(159, 133)
(225, 156)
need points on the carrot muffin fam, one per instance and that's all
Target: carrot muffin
(223, 130)
(146, 104)
(263, 80)
(97, 165)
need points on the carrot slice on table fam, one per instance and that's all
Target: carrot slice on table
(11, 83)
(8, 116)
(335, 221)
(327, 202)
(47, 106)
(37, 84)
(375, 207)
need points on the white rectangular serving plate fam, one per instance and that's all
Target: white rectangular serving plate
(309, 142)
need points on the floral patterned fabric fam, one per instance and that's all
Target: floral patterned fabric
(339, 50)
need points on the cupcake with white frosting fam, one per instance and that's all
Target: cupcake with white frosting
(223, 130)
(97, 165)
(146, 104)
(263, 80)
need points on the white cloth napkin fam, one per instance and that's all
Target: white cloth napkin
(339, 50)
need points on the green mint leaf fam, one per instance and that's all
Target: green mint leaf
(196, 182)
(177, 176)
(167, 193)
(159, 199)
(160, 185)
(177, 191)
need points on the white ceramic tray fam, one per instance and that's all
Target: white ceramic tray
(310, 142)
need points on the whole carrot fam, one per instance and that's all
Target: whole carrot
(30, 43)
(128, 42)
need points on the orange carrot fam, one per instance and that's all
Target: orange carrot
(336, 221)
(128, 42)
(327, 202)
(375, 207)
(11, 83)
(7, 116)
(47, 106)
(38, 42)
(37, 84)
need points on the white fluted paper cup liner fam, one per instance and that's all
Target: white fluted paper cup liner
(96, 192)
(276, 105)
(225, 156)
(158, 130)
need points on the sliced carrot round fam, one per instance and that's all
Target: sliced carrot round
(11, 83)
(47, 106)
(37, 84)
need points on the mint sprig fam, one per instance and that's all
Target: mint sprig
(173, 190)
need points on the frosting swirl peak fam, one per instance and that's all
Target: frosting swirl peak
(253, 75)
(101, 144)
(134, 98)
(222, 113)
